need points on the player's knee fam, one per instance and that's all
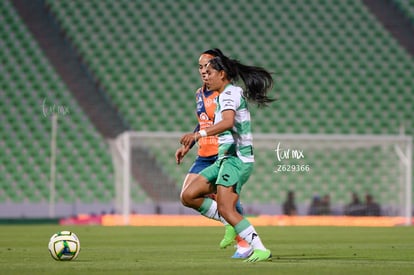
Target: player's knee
(184, 198)
(187, 199)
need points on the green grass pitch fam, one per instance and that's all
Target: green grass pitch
(194, 250)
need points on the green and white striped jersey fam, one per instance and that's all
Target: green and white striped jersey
(238, 140)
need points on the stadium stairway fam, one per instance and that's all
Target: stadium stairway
(394, 21)
(406, 7)
(149, 173)
(87, 91)
(65, 60)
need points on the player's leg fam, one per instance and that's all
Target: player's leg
(226, 199)
(194, 188)
(187, 180)
(199, 164)
(229, 234)
(193, 194)
(243, 249)
(233, 174)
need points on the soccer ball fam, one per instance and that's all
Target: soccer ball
(64, 246)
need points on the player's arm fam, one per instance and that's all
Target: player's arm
(196, 129)
(180, 153)
(230, 101)
(226, 123)
(183, 150)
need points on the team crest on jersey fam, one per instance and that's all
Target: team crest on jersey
(203, 116)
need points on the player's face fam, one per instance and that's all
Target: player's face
(202, 63)
(213, 78)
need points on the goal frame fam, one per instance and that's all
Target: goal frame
(121, 155)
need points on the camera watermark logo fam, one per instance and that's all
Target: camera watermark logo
(290, 154)
(49, 109)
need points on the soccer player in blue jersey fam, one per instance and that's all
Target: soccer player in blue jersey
(235, 160)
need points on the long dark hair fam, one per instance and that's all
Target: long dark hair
(214, 52)
(257, 80)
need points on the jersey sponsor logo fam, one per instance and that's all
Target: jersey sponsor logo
(208, 102)
(228, 103)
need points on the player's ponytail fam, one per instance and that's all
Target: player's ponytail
(257, 80)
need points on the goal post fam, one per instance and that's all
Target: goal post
(311, 165)
(121, 158)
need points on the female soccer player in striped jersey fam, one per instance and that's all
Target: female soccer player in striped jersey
(208, 148)
(235, 160)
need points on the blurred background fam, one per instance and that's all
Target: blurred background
(102, 68)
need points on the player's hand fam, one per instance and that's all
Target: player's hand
(188, 139)
(180, 153)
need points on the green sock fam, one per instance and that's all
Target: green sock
(209, 209)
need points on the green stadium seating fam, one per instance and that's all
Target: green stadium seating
(337, 70)
(322, 52)
(26, 82)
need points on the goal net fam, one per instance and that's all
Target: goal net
(314, 167)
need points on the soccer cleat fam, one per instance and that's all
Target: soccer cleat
(242, 252)
(259, 256)
(229, 235)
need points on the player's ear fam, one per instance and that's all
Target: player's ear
(223, 75)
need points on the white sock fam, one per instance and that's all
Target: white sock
(250, 235)
(209, 210)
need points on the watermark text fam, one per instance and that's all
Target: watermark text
(50, 109)
(285, 154)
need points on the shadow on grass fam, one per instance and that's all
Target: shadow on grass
(317, 257)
